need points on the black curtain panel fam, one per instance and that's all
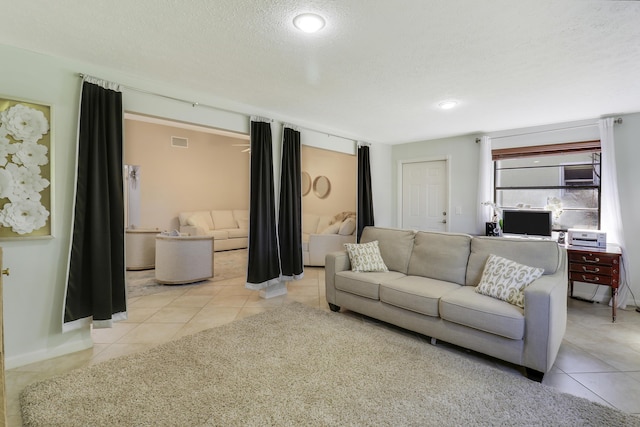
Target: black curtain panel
(365, 198)
(263, 268)
(290, 213)
(96, 280)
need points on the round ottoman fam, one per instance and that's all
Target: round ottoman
(183, 259)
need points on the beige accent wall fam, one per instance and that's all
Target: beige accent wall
(210, 174)
(341, 169)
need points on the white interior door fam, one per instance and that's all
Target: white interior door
(424, 195)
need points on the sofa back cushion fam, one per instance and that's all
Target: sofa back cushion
(323, 224)
(242, 218)
(395, 246)
(196, 218)
(441, 256)
(544, 254)
(223, 220)
(347, 227)
(332, 229)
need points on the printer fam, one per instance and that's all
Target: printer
(587, 238)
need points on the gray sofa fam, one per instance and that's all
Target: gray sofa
(430, 289)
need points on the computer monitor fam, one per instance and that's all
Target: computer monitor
(527, 222)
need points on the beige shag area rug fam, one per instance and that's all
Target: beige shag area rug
(299, 366)
(226, 265)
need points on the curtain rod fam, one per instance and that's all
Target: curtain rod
(615, 121)
(197, 104)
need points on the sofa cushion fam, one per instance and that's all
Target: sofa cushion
(235, 233)
(364, 284)
(242, 217)
(241, 214)
(218, 234)
(467, 307)
(347, 227)
(332, 229)
(419, 294)
(505, 279)
(536, 253)
(365, 257)
(440, 256)
(183, 216)
(223, 219)
(200, 219)
(395, 246)
(323, 223)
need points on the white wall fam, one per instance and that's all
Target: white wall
(382, 184)
(462, 153)
(211, 173)
(627, 143)
(34, 293)
(341, 171)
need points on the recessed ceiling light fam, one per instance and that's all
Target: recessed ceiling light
(447, 105)
(309, 22)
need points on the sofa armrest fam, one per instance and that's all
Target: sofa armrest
(545, 312)
(334, 263)
(192, 230)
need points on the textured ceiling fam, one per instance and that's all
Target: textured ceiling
(378, 69)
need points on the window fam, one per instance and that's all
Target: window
(579, 174)
(563, 178)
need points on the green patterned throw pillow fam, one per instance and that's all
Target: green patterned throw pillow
(365, 257)
(505, 279)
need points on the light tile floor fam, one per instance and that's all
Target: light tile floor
(598, 360)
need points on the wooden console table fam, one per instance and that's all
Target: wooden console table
(595, 266)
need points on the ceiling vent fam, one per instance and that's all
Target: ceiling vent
(180, 142)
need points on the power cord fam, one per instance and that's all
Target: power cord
(626, 283)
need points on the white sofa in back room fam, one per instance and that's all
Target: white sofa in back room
(320, 237)
(229, 228)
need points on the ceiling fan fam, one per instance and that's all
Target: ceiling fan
(246, 150)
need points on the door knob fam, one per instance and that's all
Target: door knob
(6, 271)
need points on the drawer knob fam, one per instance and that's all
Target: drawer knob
(586, 270)
(593, 261)
(590, 279)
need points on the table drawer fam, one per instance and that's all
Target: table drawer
(591, 269)
(597, 279)
(593, 258)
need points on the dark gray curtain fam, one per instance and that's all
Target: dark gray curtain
(365, 198)
(96, 281)
(263, 261)
(290, 213)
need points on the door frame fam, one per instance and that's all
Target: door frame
(447, 166)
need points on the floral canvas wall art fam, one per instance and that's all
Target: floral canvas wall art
(25, 169)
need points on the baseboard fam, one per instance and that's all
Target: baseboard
(49, 353)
